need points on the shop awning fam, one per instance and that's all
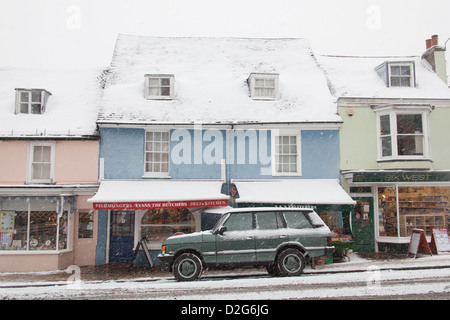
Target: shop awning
(157, 194)
(298, 191)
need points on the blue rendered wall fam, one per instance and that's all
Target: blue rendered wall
(123, 152)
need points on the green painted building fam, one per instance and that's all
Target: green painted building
(394, 145)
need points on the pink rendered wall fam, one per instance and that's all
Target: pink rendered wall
(75, 162)
(13, 162)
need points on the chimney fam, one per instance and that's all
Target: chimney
(435, 56)
(434, 40)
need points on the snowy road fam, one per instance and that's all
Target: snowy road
(408, 284)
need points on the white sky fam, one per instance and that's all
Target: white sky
(82, 33)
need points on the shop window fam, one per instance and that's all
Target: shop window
(412, 207)
(339, 224)
(159, 224)
(85, 225)
(36, 228)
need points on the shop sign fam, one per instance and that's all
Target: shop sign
(159, 205)
(401, 176)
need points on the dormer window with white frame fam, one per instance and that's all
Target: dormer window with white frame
(264, 86)
(159, 87)
(397, 74)
(31, 101)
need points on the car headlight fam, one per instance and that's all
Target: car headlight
(163, 249)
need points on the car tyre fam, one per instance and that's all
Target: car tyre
(273, 270)
(187, 267)
(291, 262)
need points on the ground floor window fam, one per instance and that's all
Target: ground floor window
(34, 225)
(403, 208)
(159, 224)
(338, 222)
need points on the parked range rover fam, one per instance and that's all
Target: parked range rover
(281, 239)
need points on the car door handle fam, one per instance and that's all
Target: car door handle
(283, 237)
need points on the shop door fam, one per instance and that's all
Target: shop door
(363, 225)
(121, 241)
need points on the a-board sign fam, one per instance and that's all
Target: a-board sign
(417, 242)
(440, 242)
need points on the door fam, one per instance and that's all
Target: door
(237, 244)
(121, 241)
(271, 234)
(363, 225)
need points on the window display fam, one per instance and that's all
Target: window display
(401, 209)
(33, 225)
(159, 224)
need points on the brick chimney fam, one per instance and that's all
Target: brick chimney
(435, 56)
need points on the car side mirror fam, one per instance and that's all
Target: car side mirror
(221, 230)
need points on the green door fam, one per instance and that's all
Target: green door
(237, 244)
(363, 225)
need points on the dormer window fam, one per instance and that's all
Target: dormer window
(263, 86)
(31, 101)
(159, 86)
(397, 74)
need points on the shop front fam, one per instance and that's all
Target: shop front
(131, 211)
(38, 228)
(325, 196)
(400, 201)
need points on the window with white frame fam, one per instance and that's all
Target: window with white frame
(159, 87)
(264, 86)
(401, 75)
(157, 148)
(41, 158)
(286, 159)
(31, 101)
(403, 133)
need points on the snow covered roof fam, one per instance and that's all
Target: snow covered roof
(295, 191)
(211, 81)
(356, 77)
(71, 109)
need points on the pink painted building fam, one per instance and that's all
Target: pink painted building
(49, 146)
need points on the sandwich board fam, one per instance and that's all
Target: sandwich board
(440, 242)
(416, 242)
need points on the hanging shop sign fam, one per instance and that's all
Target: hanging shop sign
(159, 205)
(406, 176)
(440, 242)
(417, 242)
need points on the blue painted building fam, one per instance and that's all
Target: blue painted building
(191, 123)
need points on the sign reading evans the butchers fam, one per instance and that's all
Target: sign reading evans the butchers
(159, 205)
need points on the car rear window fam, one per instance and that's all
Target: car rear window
(296, 220)
(268, 220)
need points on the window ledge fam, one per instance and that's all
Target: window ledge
(405, 160)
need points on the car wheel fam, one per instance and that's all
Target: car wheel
(291, 262)
(273, 270)
(187, 267)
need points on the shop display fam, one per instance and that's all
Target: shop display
(414, 207)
